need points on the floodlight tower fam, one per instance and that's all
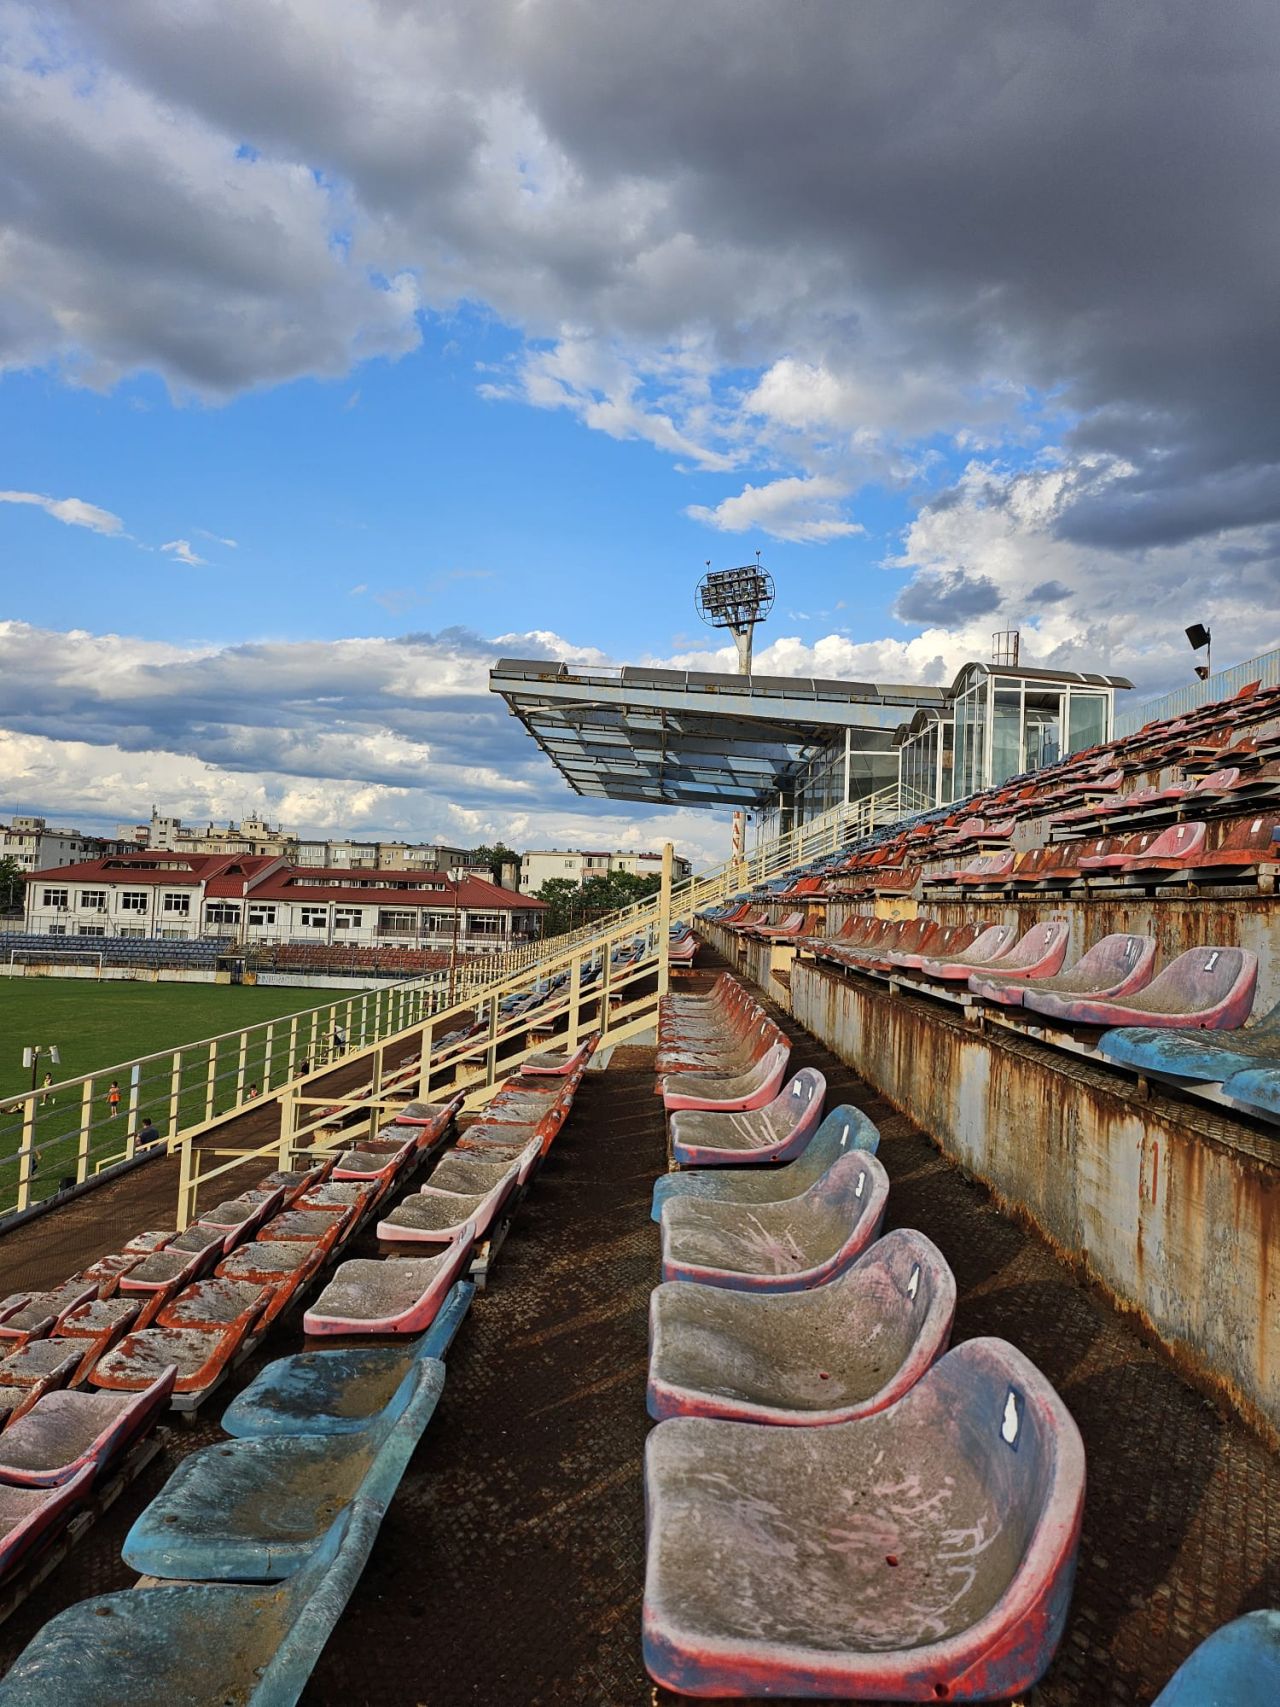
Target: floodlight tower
(737, 599)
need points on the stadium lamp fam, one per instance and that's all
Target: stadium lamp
(1199, 636)
(737, 599)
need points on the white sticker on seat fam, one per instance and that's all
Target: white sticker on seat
(844, 1135)
(861, 1179)
(913, 1284)
(1211, 962)
(1011, 1421)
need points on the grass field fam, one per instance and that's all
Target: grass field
(98, 1025)
(95, 1025)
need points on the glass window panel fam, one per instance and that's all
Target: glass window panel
(1006, 744)
(1088, 721)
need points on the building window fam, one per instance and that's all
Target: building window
(55, 898)
(485, 924)
(174, 935)
(262, 915)
(222, 913)
(392, 923)
(91, 930)
(177, 904)
(133, 901)
(57, 930)
(131, 931)
(347, 918)
(315, 918)
(93, 900)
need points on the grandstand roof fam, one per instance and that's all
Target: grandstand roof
(690, 736)
(701, 738)
(367, 886)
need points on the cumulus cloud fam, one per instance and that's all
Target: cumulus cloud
(803, 510)
(934, 234)
(946, 598)
(75, 512)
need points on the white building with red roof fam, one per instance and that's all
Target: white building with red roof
(257, 898)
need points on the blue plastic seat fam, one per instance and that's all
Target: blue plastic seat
(1238, 1666)
(1190, 1053)
(256, 1510)
(189, 1645)
(341, 1392)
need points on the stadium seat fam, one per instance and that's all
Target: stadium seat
(1115, 966)
(845, 1128)
(556, 1064)
(924, 1553)
(342, 1391)
(252, 1644)
(786, 1246)
(1188, 1054)
(839, 1351)
(950, 940)
(1258, 1088)
(28, 1515)
(439, 1216)
(68, 1430)
(1207, 987)
(742, 1091)
(1238, 1666)
(256, 1510)
(985, 948)
(401, 1297)
(778, 1132)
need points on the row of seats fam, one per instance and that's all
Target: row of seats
(838, 1505)
(258, 1542)
(199, 952)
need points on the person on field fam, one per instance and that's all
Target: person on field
(113, 1098)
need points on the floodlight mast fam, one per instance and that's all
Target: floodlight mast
(737, 599)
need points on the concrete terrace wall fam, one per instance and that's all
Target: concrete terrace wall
(1174, 1208)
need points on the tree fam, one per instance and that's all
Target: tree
(495, 858)
(11, 884)
(570, 904)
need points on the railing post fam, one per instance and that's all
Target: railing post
(27, 1156)
(175, 1094)
(266, 1056)
(491, 1053)
(135, 1088)
(575, 1001)
(313, 1052)
(664, 922)
(185, 1189)
(241, 1060)
(211, 1081)
(293, 1048)
(86, 1132)
(424, 1061)
(288, 1126)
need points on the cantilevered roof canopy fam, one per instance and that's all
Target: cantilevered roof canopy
(690, 737)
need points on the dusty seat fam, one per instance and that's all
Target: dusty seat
(836, 1352)
(438, 1216)
(401, 1297)
(256, 1510)
(1238, 1666)
(177, 1646)
(924, 1553)
(550, 1063)
(1115, 966)
(1258, 1088)
(778, 1247)
(65, 1431)
(775, 1133)
(1188, 1054)
(845, 1128)
(1205, 987)
(752, 1089)
(28, 1515)
(342, 1391)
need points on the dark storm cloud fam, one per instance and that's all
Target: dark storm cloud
(1048, 593)
(986, 197)
(945, 600)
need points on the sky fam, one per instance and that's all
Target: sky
(347, 347)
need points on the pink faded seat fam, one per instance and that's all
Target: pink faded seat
(775, 1133)
(29, 1515)
(434, 1116)
(1116, 966)
(440, 1215)
(386, 1298)
(199, 1355)
(925, 1553)
(1246, 842)
(985, 948)
(787, 1246)
(950, 940)
(839, 1351)
(1038, 954)
(34, 1313)
(753, 1088)
(1208, 987)
(1173, 848)
(374, 1159)
(66, 1432)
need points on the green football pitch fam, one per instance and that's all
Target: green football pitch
(96, 1024)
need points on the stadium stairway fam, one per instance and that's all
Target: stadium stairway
(510, 1564)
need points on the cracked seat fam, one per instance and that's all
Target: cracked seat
(778, 1132)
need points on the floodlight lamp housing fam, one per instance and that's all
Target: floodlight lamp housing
(735, 598)
(1198, 635)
